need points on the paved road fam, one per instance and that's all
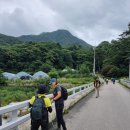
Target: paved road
(111, 111)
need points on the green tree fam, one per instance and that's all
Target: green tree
(53, 73)
(3, 80)
(45, 67)
(84, 69)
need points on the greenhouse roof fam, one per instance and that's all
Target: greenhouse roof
(40, 74)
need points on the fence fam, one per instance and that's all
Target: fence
(14, 121)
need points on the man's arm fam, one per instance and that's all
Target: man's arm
(58, 95)
(30, 105)
(31, 101)
(52, 97)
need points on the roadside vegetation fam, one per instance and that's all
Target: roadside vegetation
(20, 90)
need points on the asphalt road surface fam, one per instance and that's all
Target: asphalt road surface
(111, 111)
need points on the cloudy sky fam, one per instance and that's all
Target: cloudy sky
(93, 21)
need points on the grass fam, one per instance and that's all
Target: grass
(21, 90)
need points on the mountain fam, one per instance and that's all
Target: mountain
(63, 37)
(4, 39)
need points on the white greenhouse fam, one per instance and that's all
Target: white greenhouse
(9, 75)
(23, 75)
(40, 74)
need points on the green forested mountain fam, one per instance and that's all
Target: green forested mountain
(33, 54)
(63, 37)
(44, 56)
(4, 39)
(112, 59)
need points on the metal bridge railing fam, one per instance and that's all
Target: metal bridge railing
(12, 109)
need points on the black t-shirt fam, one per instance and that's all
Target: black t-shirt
(60, 101)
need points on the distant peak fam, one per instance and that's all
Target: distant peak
(62, 30)
(57, 31)
(61, 36)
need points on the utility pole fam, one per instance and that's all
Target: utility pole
(94, 61)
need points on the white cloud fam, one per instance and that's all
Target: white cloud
(94, 21)
(20, 17)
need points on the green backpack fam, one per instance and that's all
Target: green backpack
(39, 110)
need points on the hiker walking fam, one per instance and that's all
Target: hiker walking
(106, 80)
(59, 103)
(40, 106)
(97, 85)
(113, 80)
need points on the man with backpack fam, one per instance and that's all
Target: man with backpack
(59, 95)
(40, 106)
(97, 84)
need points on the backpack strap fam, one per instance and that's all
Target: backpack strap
(43, 101)
(36, 97)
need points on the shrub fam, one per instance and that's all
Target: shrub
(68, 72)
(46, 67)
(3, 80)
(53, 74)
(41, 81)
(110, 71)
(113, 72)
(84, 69)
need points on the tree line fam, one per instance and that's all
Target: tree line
(32, 57)
(113, 57)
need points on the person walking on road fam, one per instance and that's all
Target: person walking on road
(113, 80)
(106, 80)
(97, 84)
(59, 103)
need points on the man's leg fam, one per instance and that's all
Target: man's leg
(35, 125)
(97, 92)
(60, 117)
(44, 125)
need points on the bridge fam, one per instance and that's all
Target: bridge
(111, 111)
